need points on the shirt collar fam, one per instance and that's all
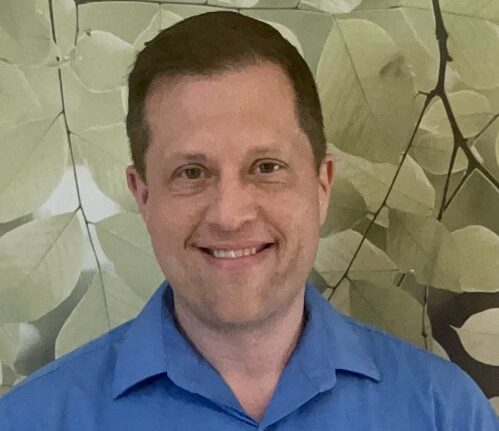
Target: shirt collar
(329, 343)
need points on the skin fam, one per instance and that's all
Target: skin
(244, 321)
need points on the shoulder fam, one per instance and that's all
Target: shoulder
(87, 370)
(457, 401)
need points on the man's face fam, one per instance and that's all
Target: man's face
(228, 167)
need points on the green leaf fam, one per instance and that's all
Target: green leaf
(40, 263)
(336, 251)
(484, 9)
(477, 67)
(234, 3)
(32, 161)
(480, 336)
(105, 152)
(409, 29)
(103, 60)
(439, 350)
(479, 258)
(476, 203)
(472, 111)
(287, 34)
(44, 82)
(311, 28)
(341, 298)
(495, 404)
(24, 32)
(10, 342)
(125, 20)
(412, 191)
(95, 314)
(389, 308)
(433, 153)
(422, 245)
(367, 95)
(149, 32)
(64, 23)
(330, 6)
(126, 243)
(18, 101)
(86, 109)
(346, 208)
(16, 339)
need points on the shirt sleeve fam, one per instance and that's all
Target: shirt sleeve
(4, 423)
(7, 422)
(465, 407)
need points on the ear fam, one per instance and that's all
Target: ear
(326, 176)
(139, 189)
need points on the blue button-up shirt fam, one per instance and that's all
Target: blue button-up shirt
(343, 375)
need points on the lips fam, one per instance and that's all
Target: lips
(259, 247)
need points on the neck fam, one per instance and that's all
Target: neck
(255, 353)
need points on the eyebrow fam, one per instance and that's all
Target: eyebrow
(202, 156)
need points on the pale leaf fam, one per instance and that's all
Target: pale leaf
(437, 348)
(126, 243)
(102, 60)
(367, 95)
(32, 161)
(346, 208)
(480, 336)
(40, 263)
(24, 32)
(125, 20)
(100, 309)
(412, 191)
(330, 6)
(479, 258)
(477, 67)
(65, 24)
(105, 151)
(433, 153)
(422, 244)
(18, 101)
(471, 109)
(387, 307)
(87, 109)
(336, 251)
(495, 404)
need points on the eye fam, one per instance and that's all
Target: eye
(269, 167)
(191, 172)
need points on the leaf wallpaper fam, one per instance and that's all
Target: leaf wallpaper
(410, 94)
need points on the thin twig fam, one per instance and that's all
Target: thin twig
(484, 129)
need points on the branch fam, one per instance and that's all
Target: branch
(427, 101)
(75, 176)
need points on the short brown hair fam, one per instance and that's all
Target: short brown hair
(215, 42)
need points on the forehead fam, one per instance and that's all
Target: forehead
(251, 104)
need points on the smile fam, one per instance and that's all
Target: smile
(234, 254)
(237, 259)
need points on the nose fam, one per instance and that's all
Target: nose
(232, 204)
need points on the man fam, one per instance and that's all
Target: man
(231, 177)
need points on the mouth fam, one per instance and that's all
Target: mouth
(236, 254)
(238, 259)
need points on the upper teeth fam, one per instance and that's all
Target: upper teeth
(233, 254)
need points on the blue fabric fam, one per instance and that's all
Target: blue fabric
(343, 375)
